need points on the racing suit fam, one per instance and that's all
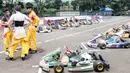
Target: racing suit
(7, 35)
(19, 34)
(31, 34)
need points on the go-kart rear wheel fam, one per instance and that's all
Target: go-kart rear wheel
(127, 45)
(98, 66)
(73, 63)
(129, 35)
(58, 69)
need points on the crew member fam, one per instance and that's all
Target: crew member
(19, 33)
(7, 35)
(31, 35)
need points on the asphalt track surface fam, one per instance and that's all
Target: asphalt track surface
(119, 59)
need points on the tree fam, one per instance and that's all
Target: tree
(49, 4)
(39, 6)
(29, 4)
(57, 4)
(1, 3)
(1, 7)
(66, 3)
(21, 4)
(74, 4)
(89, 4)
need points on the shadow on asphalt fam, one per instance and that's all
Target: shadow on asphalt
(40, 50)
(82, 72)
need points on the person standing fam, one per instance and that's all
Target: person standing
(31, 35)
(7, 35)
(19, 33)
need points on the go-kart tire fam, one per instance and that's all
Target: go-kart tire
(129, 35)
(103, 46)
(127, 45)
(98, 66)
(38, 31)
(51, 30)
(73, 63)
(58, 69)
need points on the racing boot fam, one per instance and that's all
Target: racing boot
(23, 58)
(33, 52)
(30, 50)
(26, 55)
(9, 58)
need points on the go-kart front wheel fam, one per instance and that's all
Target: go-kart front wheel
(38, 31)
(59, 69)
(98, 66)
(102, 46)
(127, 45)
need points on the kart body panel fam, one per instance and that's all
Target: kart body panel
(116, 42)
(112, 42)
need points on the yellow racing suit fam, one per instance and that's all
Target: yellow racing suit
(31, 34)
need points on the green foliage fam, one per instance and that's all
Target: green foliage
(95, 5)
(21, 4)
(46, 7)
(29, 4)
(74, 4)
(57, 4)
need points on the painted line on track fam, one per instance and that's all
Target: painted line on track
(69, 35)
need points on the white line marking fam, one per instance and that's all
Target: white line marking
(49, 40)
(39, 42)
(69, 35)
(35, 66)
(2, 52)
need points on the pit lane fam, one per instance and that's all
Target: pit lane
(72, 37)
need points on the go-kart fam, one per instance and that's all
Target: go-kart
(125, 29)
(80, 60)
(55, 59)
(44, 29)
(117, 42)
(97, 42)
(86, 22)
(74, 23)
(108, 41)
(95, 20)
(84, 60)
(122, 31)
(58, 26)
(62, 26)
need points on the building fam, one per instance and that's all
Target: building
(68, 13)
